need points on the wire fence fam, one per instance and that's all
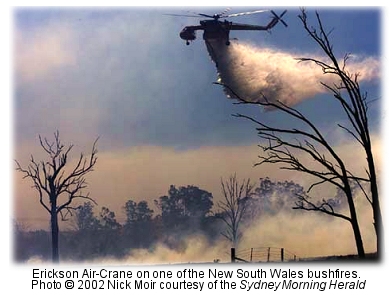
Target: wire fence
(263, 254)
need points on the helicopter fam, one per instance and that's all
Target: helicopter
(215, 29)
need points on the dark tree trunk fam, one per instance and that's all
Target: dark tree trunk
(377, 214)
(355, 226)
(378, 225)
(358, 239)
(54, 233)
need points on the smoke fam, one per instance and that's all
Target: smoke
(310, 234)
(196, 248)
(252, 72)
(305, 234)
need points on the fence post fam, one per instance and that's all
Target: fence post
(233, 255)
(282, 254)
(251, 254)
(269, 250)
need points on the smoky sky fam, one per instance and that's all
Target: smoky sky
(125, 75)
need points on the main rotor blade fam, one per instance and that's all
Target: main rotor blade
(222, 14)
(245, 13)
(185, 15)
(205, 15)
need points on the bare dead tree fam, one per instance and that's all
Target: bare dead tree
(233, 207)
(291, 147)
(52, 179)
(355, 105)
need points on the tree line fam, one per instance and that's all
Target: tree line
(183, 211)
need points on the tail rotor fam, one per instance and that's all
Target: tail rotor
(279, 17)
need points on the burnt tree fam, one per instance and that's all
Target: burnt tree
(233, 207)
(53, 179)
(355, 105)
(291, 146)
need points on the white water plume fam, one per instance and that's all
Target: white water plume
(253, 73)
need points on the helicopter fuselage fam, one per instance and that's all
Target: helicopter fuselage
(212, 30)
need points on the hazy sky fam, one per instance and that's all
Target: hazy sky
(125, 75)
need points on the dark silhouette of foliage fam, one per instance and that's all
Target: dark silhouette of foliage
(184, 207)
(86, 238)
(84, 218)
(108, 220)
(139, 227)
(137, 212)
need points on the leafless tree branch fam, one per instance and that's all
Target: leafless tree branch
(234, 205)
(289, 147)
(51, 179)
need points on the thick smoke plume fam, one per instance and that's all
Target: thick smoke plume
(252, 72)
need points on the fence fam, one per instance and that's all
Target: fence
(262, 254)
